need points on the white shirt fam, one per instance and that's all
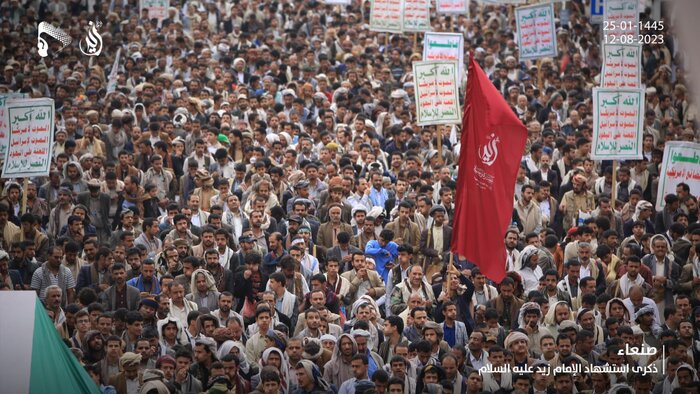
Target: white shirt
(132, 386)
(477, 363)
(531, 278)
(585, 271)
(225, 257)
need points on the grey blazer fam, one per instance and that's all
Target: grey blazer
(109, 298)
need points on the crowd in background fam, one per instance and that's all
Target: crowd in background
(248, 205)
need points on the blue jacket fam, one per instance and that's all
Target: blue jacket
(137, 282)
(382, 256)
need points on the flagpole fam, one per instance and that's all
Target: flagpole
(613, 195)
(24, 195)
(439, 144)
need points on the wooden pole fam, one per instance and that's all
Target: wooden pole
(415, 42)
(439, 144)
(613, 194)
(448, 271)
(24, 195)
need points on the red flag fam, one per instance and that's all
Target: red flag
(493, 140)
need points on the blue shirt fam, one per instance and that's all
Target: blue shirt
(382, 256)
(449, 335)
(372, 365)
(378, 197)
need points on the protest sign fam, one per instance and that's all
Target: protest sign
(436, 85)
(31, 127)
(338, 2)
(504, 1)
(396, 16)
(620, 21)
(444, 46)
(681, 164)
(621, 66)
(536, 31)
(416, 15)
(452, 7)
(617, 124)
(386, 15)
(157, 9)
(4, 126)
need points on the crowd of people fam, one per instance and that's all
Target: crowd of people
(246, 204)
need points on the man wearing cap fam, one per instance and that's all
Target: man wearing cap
(97, 204)
(128, 380)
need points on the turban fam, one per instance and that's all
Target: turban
(643, 311)
(361, 333)
(312, 349)
(515, 336)
(578, 178)
(165, 360)
(278, 338)
(432, 325)
(128, 359)
(329, 337)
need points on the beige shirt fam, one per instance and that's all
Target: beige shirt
(437, 238)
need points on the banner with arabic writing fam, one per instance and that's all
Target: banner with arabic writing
(416, 15)
(536, 31)
(437, 90)
(681, 164)
(397, 16)
(386, 15)
(452, 7)
(157, 9)
(444, 46)
(622, 66)
(30, 140)
(617, 124)
(621, 18)
(5, 98)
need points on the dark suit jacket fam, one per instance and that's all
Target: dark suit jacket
(427, 247)
(84, 199)
(119, 383)
(87, 277)
(335, 253)
(109, 298)
(46, 192)
(497, 303)
(552, 178)
(16, 279)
